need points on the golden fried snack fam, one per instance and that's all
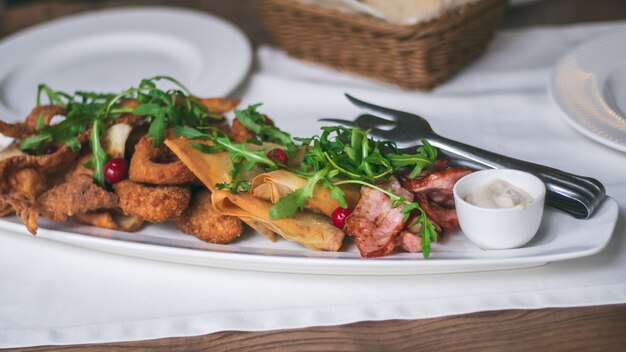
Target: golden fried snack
(28, 181)
(25, 205)
(154, 204)
(157, 166)
(76, 196)
(25, 208)
(110, 219)
(219, 106)
(5, 208)
(206, 223)
(240, 133)
(16, 159)
(29, 127)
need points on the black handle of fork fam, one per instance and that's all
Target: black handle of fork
(576, 195)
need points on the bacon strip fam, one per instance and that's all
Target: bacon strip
(375, 224)
(436, 180)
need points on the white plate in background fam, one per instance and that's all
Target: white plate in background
(112, 50)
(589, 86)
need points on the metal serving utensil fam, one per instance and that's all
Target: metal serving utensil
(576, 195)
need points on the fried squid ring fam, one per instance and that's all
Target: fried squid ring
(110, 219)
(154, 204)
(157, 166)
(29, 127)
(206, 223)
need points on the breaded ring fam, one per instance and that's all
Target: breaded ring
(154, 204)
(206, 223)
(144, 167)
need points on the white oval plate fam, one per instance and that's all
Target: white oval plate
(589, 86)
(560, 237)
(112, 50)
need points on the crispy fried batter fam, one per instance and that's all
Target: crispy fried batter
(20, 194)
(5, 208)
(239, 133)
(46, 111)
(154, 204)
(43, 163)
(76, 196)
(151, 165)
(219, 105)
(206, 223)
(28, 181)
(25, 208)
(110, 219)
(29, 127)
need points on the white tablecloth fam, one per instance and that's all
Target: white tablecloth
(52, 293)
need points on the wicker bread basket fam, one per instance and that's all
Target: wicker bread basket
(415, 57)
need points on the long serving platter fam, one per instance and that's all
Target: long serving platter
(560, 237)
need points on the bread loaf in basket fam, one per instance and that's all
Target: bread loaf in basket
(419, 56)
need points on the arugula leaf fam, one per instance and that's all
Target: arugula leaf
(34, 142)
(86, 110)
(288, 205)
(40, 122)
(148, 109)
(99, 156)
(256, 123)
(157, 129)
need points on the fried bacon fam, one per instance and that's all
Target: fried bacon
(440, 215)
(410, 242)
(378, 227)
(375, 223)
(435, 180)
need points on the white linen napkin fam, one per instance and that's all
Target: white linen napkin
(52, 293)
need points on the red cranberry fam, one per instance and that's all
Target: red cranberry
(278, 155)
(339, 216)
(115, 170)
(51, 149)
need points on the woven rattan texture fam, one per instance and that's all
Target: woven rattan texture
(415, 57)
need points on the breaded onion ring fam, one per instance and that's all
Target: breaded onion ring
(154, 204)
(206, 223)
(145, 168)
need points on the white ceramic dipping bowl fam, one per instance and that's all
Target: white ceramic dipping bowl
(500, 228)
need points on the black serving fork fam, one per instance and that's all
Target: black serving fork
(576, 195)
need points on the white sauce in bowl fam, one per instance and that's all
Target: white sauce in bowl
(499, 194)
